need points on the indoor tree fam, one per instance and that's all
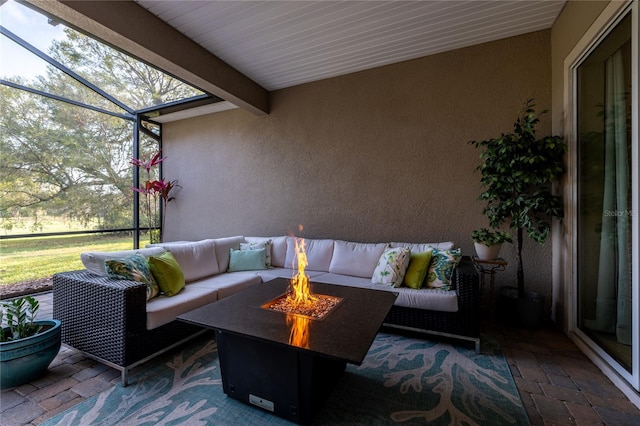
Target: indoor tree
(518, 169)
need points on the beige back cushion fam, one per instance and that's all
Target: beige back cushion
(318, 252)
(356, 259)
(93, 261)
(196, 259)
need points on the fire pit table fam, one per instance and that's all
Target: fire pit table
(288, 363)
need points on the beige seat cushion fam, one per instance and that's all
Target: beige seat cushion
(162, 310)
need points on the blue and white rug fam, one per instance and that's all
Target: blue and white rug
(402, 380)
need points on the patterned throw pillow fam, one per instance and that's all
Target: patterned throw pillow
(441, 268)
(266, 245)
(133, 268)
(392, 266)
(417, 269)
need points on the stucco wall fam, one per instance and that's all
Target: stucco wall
(377, 155)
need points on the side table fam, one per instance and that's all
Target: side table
(489, 267)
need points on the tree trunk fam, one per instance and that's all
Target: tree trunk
(519, 261)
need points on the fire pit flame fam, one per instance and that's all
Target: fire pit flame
(299, 335)
(299, 300)
(299, 291)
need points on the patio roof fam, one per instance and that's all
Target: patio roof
(239, 51)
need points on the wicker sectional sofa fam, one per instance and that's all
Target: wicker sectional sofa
(111, 320)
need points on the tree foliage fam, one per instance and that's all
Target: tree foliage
(65, 160)
(517, 170)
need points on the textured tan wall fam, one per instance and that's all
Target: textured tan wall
(377, 155)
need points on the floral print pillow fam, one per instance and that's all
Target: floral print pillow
(392, 266)
(133, 268)
(441, 268)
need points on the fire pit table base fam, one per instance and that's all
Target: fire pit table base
(289, 383)
(287, 363)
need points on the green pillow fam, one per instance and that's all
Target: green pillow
(247, 260)
(417, 269)
(167, 272)
(133, 268)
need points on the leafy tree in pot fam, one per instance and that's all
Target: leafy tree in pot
(517, 172)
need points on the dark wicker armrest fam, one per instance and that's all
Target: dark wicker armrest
(99, 314)
(467, 285)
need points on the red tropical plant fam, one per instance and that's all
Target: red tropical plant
(155, 191)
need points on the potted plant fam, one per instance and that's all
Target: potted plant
(27, 346)
(488, 243)
(517, 171)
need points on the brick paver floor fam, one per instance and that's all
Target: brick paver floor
(557, 383)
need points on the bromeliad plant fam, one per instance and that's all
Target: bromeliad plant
(20, 319)
(517, 172)
(155, 191)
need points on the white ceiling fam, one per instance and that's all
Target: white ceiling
(280, 44)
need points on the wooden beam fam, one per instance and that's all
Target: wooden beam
(131, 28)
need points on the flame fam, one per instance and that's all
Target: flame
(300, 291)
(299, 330)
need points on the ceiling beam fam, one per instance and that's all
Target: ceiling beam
(131, 28)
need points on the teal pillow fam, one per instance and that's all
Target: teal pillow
(417, 269)
(167, 273)
(133, 268)
(441, 268)
(246, 260)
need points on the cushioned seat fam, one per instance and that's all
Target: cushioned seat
(227, 284)
(162, 310)
(347, 280)
(273, 273)
(425, 298)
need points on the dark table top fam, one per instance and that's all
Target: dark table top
(346, 333)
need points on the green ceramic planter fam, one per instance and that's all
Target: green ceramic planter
(24, 360)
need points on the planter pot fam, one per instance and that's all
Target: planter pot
(525, 311)
(485, 252)
(24, 360)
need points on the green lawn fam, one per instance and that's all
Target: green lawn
(26, 259)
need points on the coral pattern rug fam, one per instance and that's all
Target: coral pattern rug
(403, 380)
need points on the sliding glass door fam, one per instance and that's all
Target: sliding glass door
(604, 249)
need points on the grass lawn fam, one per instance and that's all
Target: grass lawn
(26, 259)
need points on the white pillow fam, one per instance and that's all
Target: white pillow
(93, 261)
(356, 259)
(258, 245)
(197, 260)
(422, 247)
(392, 266)
(278, 248)
(318, 252)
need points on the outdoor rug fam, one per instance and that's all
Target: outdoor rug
(402, 380)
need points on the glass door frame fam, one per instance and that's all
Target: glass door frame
(601, 27)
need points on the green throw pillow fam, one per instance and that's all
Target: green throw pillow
(441, 268)
(246, 260)
(133, 268)
(167, 273)
(417, 269)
